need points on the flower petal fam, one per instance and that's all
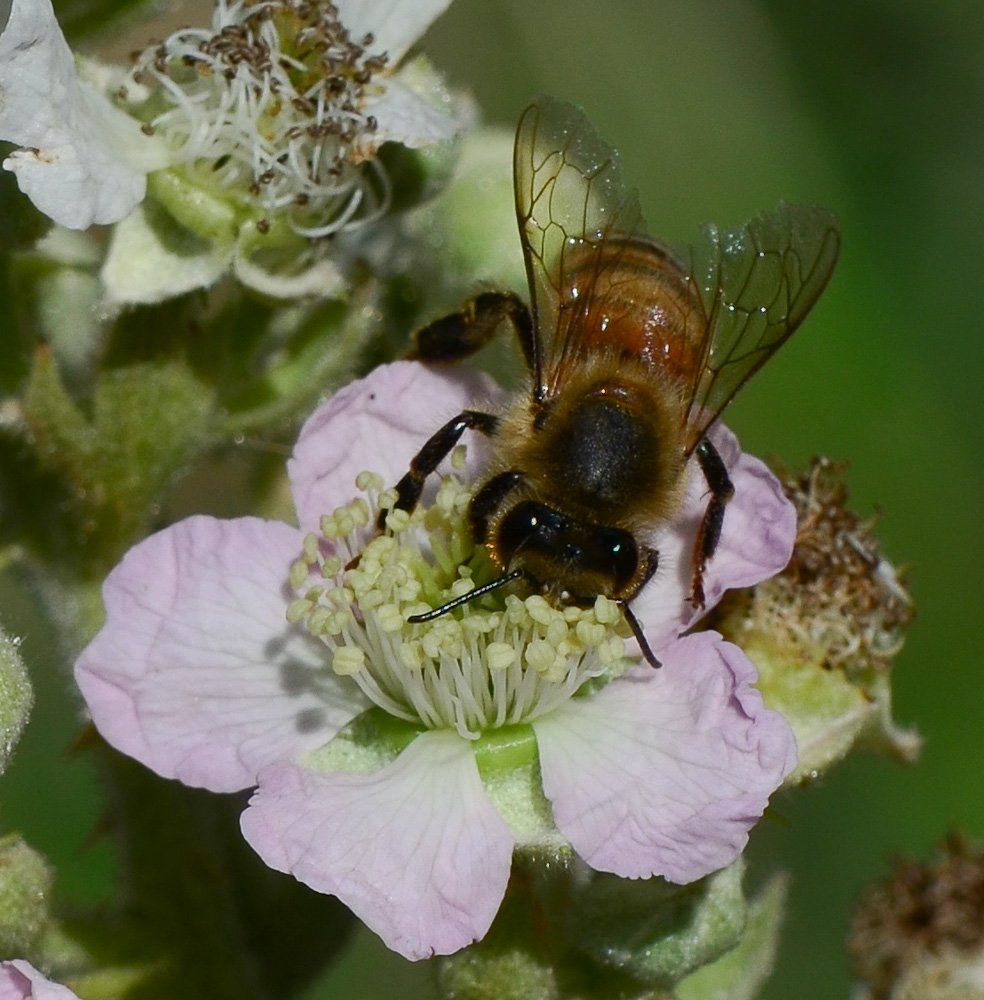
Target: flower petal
(378, 423)
(760, 523)
(402, 115)
(81, 155)
(416, 850)
(19, 980)
(756, 542)
(394, 24)
(664, 772)
(196, 672)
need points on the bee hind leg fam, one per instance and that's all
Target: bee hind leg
(709, 532)
(437, 447)
(461, 334)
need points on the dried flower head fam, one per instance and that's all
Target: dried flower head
(924, 910)
(823, 632)
(838, 590)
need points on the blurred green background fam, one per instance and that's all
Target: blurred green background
(719, 110)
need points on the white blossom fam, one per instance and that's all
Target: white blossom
(278, 105)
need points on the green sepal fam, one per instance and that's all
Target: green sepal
(830, 711)
(654, 931)
(742, 972)
(205, 213)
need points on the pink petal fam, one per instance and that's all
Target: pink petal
(759, 523)
(416, 850)
(19, 980)
(378, 424)
(196, 672)
(665, 771)
(756, 542)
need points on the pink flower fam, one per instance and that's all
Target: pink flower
(198, 674)
(19, 980)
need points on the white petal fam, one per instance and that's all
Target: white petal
(394, 24)
(76, 164)
(416, 850)
(403, 116)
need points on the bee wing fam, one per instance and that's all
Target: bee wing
(569, 197)
(755, 285)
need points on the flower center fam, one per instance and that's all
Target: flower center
(269, 100)
(498, 661)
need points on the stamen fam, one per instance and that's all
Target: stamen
(498, 660)
(274, 92)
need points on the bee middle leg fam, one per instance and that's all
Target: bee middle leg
(437, 447)
(461, 334)
(709, 532)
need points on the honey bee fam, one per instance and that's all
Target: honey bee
(632, 352)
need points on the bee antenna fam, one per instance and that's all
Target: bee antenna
(429, 616)
(640, 636)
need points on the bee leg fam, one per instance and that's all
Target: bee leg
(461, 334)
(436, 448)
(709, 532)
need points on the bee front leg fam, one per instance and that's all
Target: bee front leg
(709, 532)
(436, 448)
(461, 334)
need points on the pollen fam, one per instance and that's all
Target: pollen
(502, 659)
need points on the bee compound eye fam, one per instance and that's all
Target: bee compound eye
(529, 525)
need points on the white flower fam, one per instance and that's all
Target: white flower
(82, 161)
(279, 105)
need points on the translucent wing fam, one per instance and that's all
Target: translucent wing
(755, 285)
(569, 197)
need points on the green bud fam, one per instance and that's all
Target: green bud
(25, 886)
(16, 697)
(144, 425)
